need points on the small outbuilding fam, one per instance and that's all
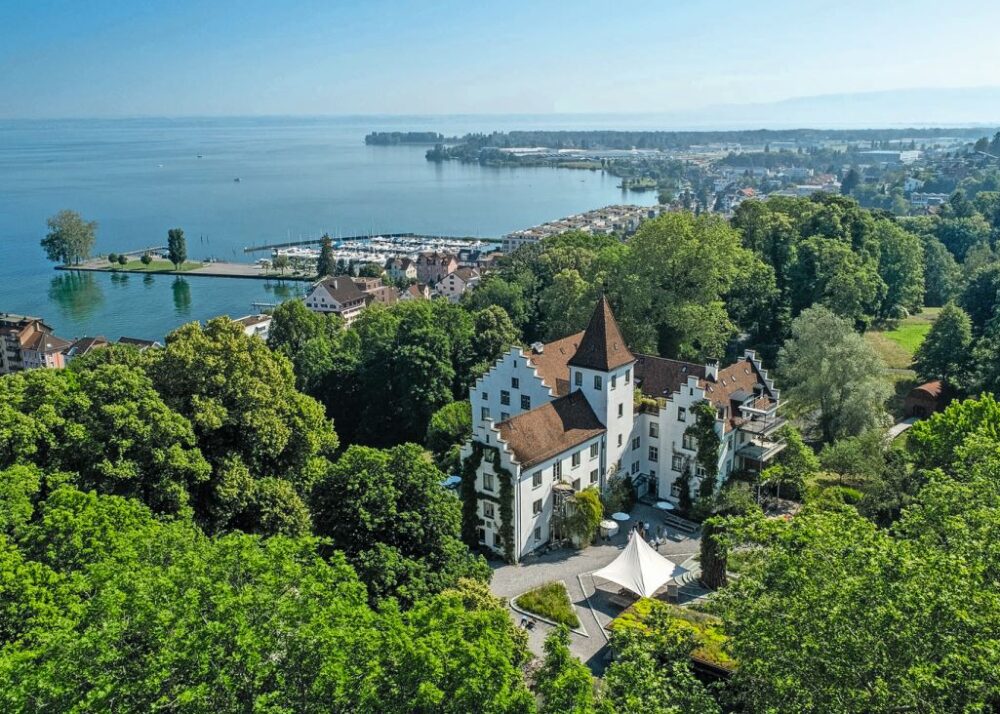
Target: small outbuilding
(925, 399)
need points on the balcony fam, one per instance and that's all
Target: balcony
(761, 450)
(762, 427)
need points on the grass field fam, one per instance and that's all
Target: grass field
(897, 346)
(550, 601)
(136, 266)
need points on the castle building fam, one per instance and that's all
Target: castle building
(583, 410)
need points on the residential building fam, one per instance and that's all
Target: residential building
(616, 220)
(565, 413)
(140, 344)
(256, 325)
(338, 295)
(28, 343)
(457, 283)
(416, 291)
(928, 200)
(84, 346)
(433, 266)
(401, 268)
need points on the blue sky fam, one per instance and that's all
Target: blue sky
(73, 58)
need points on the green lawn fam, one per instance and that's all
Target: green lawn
(550, 601)
(136, 266)
(706, 629)
(897, 346)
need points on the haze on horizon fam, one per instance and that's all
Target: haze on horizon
(188, 58)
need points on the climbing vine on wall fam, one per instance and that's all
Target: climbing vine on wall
(470, 515)
(470, 497)
(703, 430)
(506, 507)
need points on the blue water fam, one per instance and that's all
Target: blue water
(300, 177)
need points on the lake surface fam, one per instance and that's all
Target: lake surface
(299, 178)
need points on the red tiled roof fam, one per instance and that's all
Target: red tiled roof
(550, 429)
(552, 362)
(660, 377)
(931, 389)
(602, 346)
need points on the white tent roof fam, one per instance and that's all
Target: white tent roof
(639, 568)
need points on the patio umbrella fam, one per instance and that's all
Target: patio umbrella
(620, 516)
(665, 505)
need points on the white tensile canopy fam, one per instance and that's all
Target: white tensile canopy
(639, 568)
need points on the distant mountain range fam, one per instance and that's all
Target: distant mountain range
(892, 108)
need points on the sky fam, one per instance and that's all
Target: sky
(104, 58)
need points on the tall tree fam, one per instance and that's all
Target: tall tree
(387, 511)
(176, 247)
(944, 353)
(901, 267)
(831, 376)
(850, 181)
(70, 238)
(563, 681)
(326, 265)
(250, 421)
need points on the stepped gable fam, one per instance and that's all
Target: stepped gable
(602, 346)
(539, 434)
(551, 362)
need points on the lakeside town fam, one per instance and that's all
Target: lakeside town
(482, 358)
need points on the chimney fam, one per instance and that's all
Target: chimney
(712, 369)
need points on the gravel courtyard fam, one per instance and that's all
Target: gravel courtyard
(573, 568)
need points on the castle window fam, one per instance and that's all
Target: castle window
(504, 397)
(525, 401)
(597, 381)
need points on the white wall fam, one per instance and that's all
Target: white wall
(513, 365)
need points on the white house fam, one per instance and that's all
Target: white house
(565, 412)
(457, 283)
(256, 325)
(338, 295)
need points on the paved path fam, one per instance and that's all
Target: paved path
(573, 568)
(899, 428)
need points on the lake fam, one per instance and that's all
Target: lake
(299, 178)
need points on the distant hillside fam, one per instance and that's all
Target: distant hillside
(894, 108)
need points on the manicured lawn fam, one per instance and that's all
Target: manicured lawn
(706, 629)
(550, 601)
(136, 266)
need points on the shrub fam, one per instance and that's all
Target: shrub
(583, 516)
(146, 259)
(550, 601)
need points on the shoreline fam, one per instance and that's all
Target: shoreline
(239, 271)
